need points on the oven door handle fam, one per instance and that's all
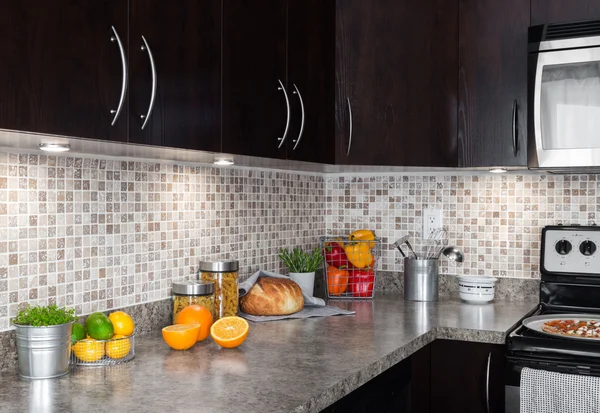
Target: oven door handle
(487, 382)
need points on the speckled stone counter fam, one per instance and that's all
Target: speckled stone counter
(284, 366)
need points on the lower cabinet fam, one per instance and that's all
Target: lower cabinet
(445, 376)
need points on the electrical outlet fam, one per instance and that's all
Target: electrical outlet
(432, 219)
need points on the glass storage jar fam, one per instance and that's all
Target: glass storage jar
(191, 292)
(224, 274)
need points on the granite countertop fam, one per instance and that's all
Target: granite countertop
(284, 366)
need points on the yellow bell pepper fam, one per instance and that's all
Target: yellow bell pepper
(363, 235)
(359, 254)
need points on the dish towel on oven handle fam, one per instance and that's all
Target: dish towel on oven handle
(550, 392)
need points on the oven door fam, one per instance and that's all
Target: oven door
(565, 124)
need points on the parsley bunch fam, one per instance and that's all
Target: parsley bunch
(44, 316)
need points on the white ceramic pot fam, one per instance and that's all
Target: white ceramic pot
(306, 281)
(476, 290)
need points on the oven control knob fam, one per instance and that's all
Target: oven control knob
(563, 247)
(587, 248)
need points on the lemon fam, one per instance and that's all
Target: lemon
(122, 323)
(88, 350)
(117, 349)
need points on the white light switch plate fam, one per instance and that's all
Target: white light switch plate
(432, 219)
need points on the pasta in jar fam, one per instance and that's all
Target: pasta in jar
(188, 293)
(225, 278)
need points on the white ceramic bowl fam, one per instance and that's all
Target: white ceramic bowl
(476, 290)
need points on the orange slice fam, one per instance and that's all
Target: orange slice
(229, 332)
(181, 336)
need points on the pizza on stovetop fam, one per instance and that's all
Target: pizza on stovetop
(573, 328)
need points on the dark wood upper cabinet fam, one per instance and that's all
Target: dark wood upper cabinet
(60, 73)
(492, 88)
(311, 79)
(256, 98)
(563, 11)
(466, 377)
(396, 71)
(175, 52)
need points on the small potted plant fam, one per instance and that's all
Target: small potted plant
(44, 341)
(302, 266)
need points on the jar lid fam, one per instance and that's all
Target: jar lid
(193, 287)
(219, 266)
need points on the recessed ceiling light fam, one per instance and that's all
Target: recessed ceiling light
(498, 170)
(55, 147)
(223, 161)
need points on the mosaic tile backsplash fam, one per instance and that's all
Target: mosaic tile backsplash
(495, 220)
(97, 234)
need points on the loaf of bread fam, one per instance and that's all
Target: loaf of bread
(273, 296)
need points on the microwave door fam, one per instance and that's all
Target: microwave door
(566, 108)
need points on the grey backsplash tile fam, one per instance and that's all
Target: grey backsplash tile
(98, 234)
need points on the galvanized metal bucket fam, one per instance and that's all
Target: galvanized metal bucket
(420, 280)
(43, 351)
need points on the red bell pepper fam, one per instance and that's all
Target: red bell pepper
(335, 255)
(361, 283)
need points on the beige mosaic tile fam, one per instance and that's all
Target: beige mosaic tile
(97, 234)
(495, 220)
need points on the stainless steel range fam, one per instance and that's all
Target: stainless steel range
(570, 268)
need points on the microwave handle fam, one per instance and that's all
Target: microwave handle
(515, 128)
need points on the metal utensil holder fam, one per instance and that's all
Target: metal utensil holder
(353, 291)
(421, 279)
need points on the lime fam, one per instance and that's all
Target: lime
(78, 332)
(99, 326)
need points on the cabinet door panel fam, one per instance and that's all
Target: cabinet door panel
(184, 38)
(563, 11)
(396, 62)
(492, 80)
(60, 72)
(254, 62)
(461, 380)
(311, 68)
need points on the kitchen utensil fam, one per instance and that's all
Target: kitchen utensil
(435, 242)
(404, 240)
(453, 254)
(535, 323)
(398, 244)
(420, 279)
(476, 290)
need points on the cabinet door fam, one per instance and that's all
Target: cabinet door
(175, 73)
(396, 71)
(256, 96)
(61, 73)
(563, 11)
(311, 75)
(492, 115)
(467, 377)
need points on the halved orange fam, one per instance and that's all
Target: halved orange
(229, 332)
(181, 336)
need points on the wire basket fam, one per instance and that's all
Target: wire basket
(103, 352)
(349, 267)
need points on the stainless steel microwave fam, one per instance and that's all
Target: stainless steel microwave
(564, 97)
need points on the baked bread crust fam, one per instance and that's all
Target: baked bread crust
(273, 296)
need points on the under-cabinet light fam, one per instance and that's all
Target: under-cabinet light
(498, 170)
(55, 147)
(223, 161)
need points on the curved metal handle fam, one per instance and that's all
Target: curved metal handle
(487, 383)
(515, 135)
(153, 95)
(287, 123)
(117, 112)
(350, 132)
(297, 140)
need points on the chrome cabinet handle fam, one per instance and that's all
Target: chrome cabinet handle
(297, 140)
(515, 135)
(287, 123)
(487, 382)
(350, 132)
(117, 112)
(153, 95)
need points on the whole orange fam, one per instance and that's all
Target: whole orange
(196, 314)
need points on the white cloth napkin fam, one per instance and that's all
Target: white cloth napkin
(550, 392)
(313, 306)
